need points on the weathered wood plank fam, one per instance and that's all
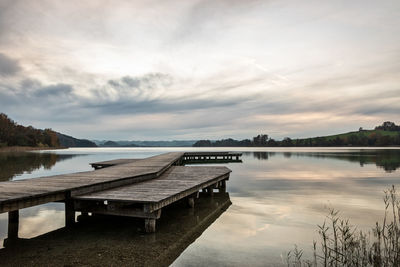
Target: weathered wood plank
(26, 193)
(171, 186)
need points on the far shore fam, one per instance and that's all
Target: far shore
(25, 148)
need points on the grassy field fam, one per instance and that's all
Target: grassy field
(363, 133)
(375, 137)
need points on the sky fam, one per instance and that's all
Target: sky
(200, 69)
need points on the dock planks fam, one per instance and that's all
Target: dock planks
(176, 180)
(19, 194)
(125, 187)
(146, 199)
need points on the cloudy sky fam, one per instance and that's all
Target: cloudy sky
(171, 69)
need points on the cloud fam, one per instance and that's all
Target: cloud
(8, 66)
(199, 69)
(145, 84)
(58, 90)
(155, 102)
(156, 93)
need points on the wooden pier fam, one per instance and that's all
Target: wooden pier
(114, 240)
(210, 157)
(125, 187)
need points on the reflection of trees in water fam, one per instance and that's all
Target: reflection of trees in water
(112, 240)
(12, 164)
(389, 160)
(263, 155)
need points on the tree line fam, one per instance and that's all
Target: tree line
(13, 134)
(387, 134)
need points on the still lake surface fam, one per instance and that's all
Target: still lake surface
(275, 200)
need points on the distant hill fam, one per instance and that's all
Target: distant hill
(69, 141)
(387, 134)
(13, 134)
(175, 143)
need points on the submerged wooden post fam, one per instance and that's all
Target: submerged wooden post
(69, 212)
(210, 190)
(13, 224)
(190, 201)
(150, 225)
(222, 186)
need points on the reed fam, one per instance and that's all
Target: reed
(342, 244)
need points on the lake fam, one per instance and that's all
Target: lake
(275, 199)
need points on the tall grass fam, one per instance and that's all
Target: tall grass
(341, 244)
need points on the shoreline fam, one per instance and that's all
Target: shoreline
(25, 148)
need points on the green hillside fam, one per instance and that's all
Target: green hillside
(363, 133)
(387, 134)
(376, 137)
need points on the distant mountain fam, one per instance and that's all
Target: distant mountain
(69, 141)
(110, 144)
(175, 143)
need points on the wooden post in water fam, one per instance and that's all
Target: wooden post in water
(191, 198)
(210, 190)
(150, 225)
(69, 212)
(191, 201)
(222, 186)
(13, 224)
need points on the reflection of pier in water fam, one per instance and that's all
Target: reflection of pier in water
(114, 240)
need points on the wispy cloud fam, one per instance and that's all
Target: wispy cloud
(199, 69)
(8, 66)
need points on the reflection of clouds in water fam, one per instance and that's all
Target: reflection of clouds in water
(249, 223)
(280, 222)
(285, 219)
(370, 189)
(388, 160)
(316, 174)
(41, 219)
(43, 222)
(3, 227)
(239, 227)
(276, 203)
(299, 177)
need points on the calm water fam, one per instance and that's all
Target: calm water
(275, 199)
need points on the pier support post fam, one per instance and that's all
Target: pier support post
(190, 201)
(222, 186)
(210, 190)
(150, 225)
(13, 224)
(69, 213)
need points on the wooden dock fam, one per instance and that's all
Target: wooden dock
(110, 236)
(127, 187)
(210, 157)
